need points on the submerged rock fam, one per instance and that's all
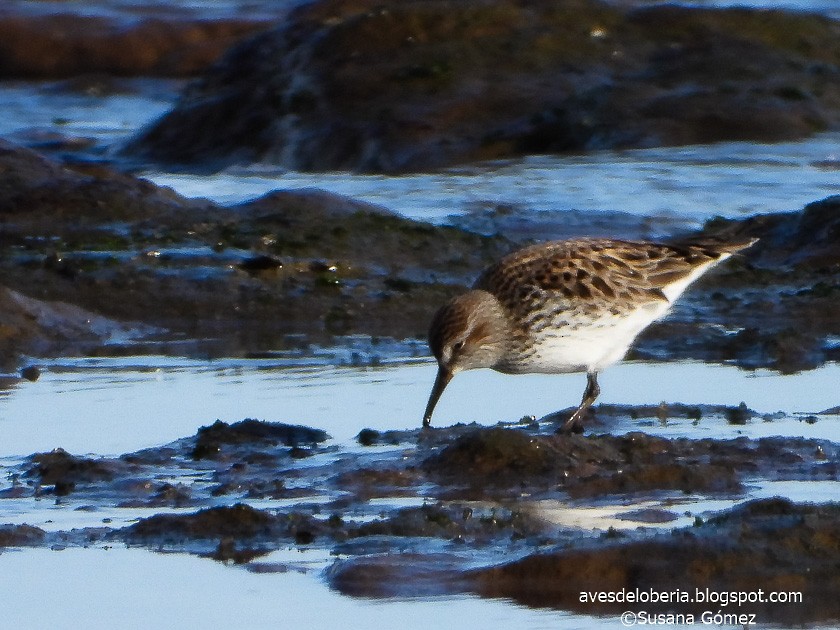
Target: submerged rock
(420, 85)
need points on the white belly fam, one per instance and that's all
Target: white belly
(590, 347)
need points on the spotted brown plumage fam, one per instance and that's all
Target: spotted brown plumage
(565, 306)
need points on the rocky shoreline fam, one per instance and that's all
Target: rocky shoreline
(475, 517)
(95, 261)
(243, 279)
(261, 275)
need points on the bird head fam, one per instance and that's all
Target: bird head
(468, 332)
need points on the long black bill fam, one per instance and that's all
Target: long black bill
(442, 380)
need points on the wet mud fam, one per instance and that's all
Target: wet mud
(497, 461)
(463, 509)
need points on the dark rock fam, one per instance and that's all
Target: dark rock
(304, 537)
(167, 494)
(793, 268)
(495, 455)
(43, 328)
(421, 85)
(21, 536)
(227, 551)
(237, 522)
(739, 415)
(65, 471)
(372, 437)
(398, 575)
(209, 440)
(367, 483)
(368, 437)
(95, 209)
(499, 462)
(685, 477)
(649, 515)
(260, 264)
(771, 306)
(453, 522)
(38, 189)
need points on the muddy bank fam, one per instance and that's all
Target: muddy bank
(20, 536)
(243, 278)
(464, 462)
(500, 462)
(295, 267)
(416, 86)
(432, 512)
(57, 46)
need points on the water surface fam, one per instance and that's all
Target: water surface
(115, 406)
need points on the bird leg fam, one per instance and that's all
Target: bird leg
(575, 422)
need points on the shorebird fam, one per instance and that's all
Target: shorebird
(565, 306)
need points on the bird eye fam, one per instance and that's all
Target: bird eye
(457, 346)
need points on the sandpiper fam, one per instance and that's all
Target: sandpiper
(565, 306)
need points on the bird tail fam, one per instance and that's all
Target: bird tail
(732, 246)
(719, 245)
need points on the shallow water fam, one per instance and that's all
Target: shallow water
(825, 7)
(138, 589)
(114, 406)
(678, 186)
(221, 9)
(44, 114)
(110, 406)
(653, 192)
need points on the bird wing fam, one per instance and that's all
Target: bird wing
(595, 272)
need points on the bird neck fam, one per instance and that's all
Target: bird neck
(489, 328)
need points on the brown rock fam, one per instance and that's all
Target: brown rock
(420, 85)
(65, 45)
